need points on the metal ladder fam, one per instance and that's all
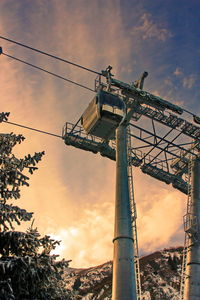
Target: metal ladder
(187, 235)
(184, 263)
(133, 215)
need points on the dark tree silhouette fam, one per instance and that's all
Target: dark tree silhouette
(28, 271)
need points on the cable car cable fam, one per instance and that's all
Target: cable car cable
(34, 129)
(48, 72)
(50, 55)
(66, 61)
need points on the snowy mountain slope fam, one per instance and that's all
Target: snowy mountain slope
(160, 278)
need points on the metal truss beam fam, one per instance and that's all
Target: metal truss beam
(79, 139)
(170, 120)
(169, 143)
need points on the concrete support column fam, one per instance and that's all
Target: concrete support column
(123, 284)
(192, 281)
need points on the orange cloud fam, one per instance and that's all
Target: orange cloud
(149, 29)
(189, 82)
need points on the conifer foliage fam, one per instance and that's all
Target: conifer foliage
(27, 269)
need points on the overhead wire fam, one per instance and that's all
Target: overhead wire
(58, 58)
(50, 55)
(48, 72)
(33, 129)
(63, 60)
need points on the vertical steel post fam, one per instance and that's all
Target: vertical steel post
(123, 285)
(192, 280)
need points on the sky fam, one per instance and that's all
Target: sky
(72, 193)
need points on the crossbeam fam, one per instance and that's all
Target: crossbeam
(79, 139)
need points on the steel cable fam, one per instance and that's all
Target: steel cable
(50, 55)
(48, 72)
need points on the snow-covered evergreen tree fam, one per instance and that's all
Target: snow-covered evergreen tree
(28, 271)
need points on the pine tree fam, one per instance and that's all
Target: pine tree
(28, 271)
(172, 263)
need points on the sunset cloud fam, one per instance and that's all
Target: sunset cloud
(150, 29)
(189, 82)
(161, 221)
(178, 72)
(88, 237)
